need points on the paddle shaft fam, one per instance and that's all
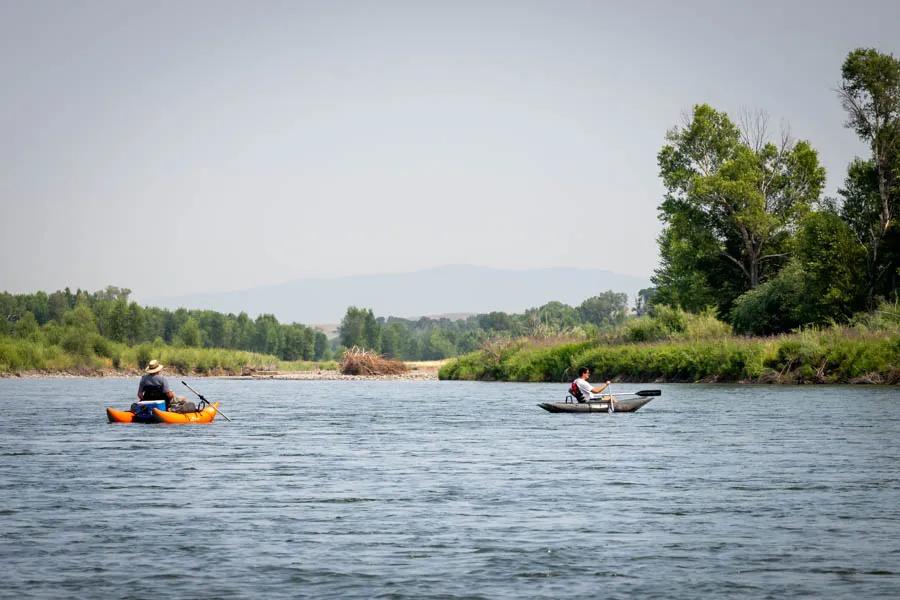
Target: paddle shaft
(199, 395)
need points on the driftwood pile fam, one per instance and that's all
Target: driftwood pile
(359, 361)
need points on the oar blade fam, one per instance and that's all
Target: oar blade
(649, 393)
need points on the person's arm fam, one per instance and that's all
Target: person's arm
(168, 392)
(599, 389)
(140, 394)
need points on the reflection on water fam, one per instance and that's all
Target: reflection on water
(450, 489)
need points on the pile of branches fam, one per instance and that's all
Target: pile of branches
(359, 361)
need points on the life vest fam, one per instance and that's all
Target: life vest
(576, 393)
(154, 392)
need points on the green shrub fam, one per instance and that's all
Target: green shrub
(830, 355)
(645, 329)
(668, 323)
(544, 364)
(673, 320)
(706, 326)
(101, 346)
(77, 342)
(468, 367)
(885, 318)
(13, 356)
(772, 306)
(143, 355)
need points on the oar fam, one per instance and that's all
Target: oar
(205, 400)
(642, 393)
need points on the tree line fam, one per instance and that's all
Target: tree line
(82, 321)
(747, 230)
(437, 338)
(76, 319)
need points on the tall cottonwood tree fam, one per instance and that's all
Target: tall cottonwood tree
(360, 328)
(733, 199)
(870, 93)
(861, 209)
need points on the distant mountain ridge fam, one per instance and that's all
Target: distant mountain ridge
(440, 290)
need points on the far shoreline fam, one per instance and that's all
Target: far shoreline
(417, 371)
(421, 372)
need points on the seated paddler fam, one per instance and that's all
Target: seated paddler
(582, 390)
(153, 386)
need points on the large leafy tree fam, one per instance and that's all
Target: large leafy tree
(360, 328)
(496, 321)
(831, 259)
(552, 318)
(299, 342)
(733, 198)
(644, 300)
(693, 272)
(320, 345)
(820, 284)
(861, 209)
(189, 334)
(394, 340)
(605, 309)
(269, 336)
(870, 93)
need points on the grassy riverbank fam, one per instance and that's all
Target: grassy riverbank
(101, 356)
(695, 348)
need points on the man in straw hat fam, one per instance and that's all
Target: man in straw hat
(154, 386)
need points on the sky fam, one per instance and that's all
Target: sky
(182, 147)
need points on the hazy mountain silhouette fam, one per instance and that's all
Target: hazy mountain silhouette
(447, 289)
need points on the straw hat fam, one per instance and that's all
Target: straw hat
(154, 367)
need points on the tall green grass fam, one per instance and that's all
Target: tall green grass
(17, 355)
(701, 348)
(97, 354)
(294, 366)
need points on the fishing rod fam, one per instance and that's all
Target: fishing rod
(205, 400)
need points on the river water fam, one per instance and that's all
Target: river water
(355, 489)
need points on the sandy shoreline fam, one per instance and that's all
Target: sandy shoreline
(337, 376)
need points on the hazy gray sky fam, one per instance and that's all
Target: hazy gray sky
(175, 147)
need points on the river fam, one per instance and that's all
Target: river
(355, 489)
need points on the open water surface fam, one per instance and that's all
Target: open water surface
(450, 490)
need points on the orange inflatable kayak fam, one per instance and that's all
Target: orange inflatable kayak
(163, 416)
(120, 416)
(204, 416)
